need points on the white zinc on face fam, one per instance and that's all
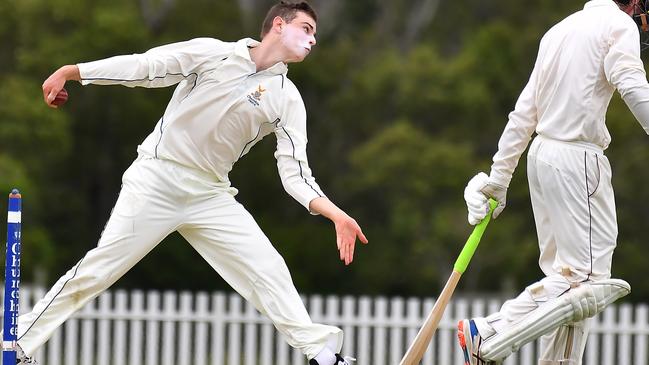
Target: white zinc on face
(298, 37)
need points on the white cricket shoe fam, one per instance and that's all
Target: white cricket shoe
(340, 360)
(346, 360)
(22, 358)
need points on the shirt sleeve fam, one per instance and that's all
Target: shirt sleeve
(517, 134)
(625, 71)
(291, 154)
(158, 67)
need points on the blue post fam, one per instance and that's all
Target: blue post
(12, 280)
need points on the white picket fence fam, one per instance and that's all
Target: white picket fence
(153, 328)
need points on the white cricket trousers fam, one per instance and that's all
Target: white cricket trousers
(157, 198)
(574, 209)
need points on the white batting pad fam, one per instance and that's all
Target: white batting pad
(582, 302)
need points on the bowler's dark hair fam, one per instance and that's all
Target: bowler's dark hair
(286, 10)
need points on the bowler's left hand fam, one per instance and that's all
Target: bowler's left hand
(347, 230)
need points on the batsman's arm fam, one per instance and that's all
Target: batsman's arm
(624, 69)
(516, 135)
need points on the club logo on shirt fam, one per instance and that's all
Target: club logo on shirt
(255, 97)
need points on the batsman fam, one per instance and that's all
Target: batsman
(581, 61)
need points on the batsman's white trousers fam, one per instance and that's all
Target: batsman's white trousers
(574, 209)
(157, 198)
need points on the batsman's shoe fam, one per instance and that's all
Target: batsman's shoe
(22, 358)
(470, 342)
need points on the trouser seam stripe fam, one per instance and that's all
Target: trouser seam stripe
(76, 269)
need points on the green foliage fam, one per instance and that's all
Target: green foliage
(411, 180)
(401, 115)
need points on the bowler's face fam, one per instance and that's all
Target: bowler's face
(298, 37)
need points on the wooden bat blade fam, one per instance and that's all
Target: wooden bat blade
(420, 343)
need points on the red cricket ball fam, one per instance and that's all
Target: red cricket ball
(60, 98)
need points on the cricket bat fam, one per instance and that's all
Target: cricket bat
(422, 340)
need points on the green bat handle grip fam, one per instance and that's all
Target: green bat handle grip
(474, 239)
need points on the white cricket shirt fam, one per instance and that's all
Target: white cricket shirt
(221, 107)
(580, 63)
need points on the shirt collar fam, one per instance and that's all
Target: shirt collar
(594, 3)
(241, 49)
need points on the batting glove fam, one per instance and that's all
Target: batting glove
(498, 193)
(477, 193)
(476, 201)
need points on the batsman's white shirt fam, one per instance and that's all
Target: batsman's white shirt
(221, 108)
(580, 63)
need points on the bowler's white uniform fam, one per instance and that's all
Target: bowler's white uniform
(221, 107)
(581, 61)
